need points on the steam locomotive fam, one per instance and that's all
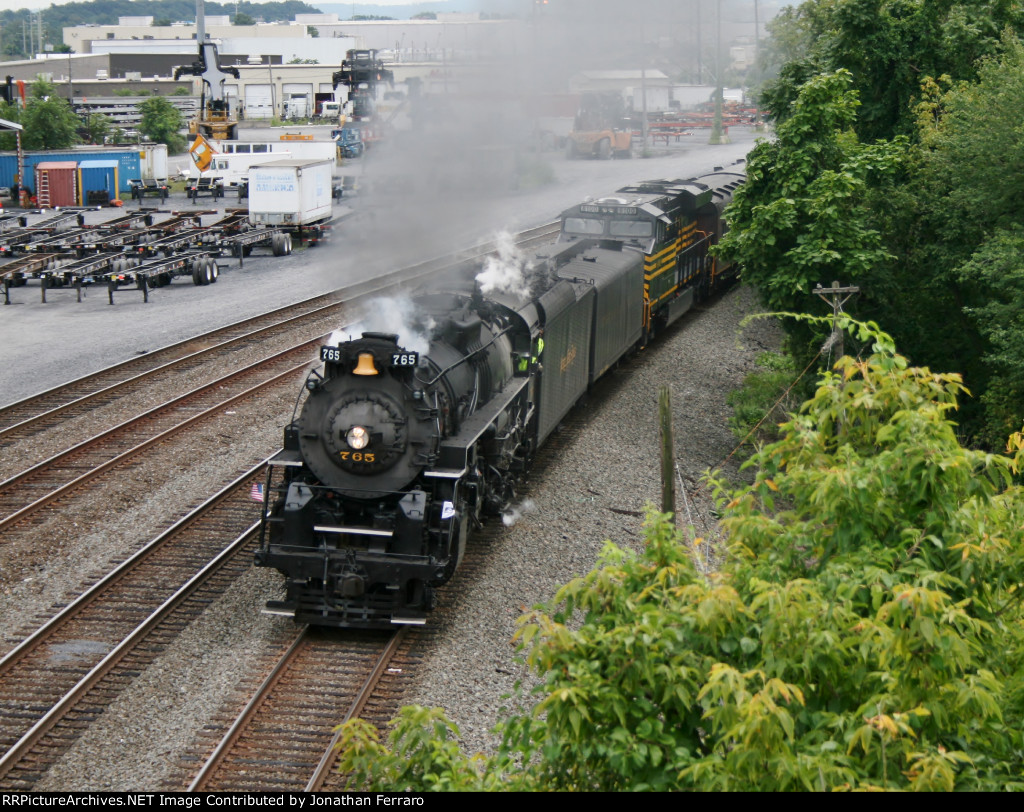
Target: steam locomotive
(405, 442)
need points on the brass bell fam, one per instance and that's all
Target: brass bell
(365, 365)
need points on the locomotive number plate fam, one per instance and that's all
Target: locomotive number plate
(405, 359)
(330, 354)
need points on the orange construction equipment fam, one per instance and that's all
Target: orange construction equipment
(601, 129)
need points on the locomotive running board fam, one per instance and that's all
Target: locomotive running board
(357, 531)
(446, 473)
(286, 457)
(455, 451)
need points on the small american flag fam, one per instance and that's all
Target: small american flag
(256, 493)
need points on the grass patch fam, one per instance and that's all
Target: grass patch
(763, 401)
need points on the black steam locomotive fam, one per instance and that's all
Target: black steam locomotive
(399, 450)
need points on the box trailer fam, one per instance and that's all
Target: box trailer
(295, 195)
(153, 160)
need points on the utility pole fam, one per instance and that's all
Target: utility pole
(718, 135)
(700, 60)
(839, 296)
(757, 58)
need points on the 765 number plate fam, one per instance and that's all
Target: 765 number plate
(405, 359)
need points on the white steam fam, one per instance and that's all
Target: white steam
(393, 314)
(514, 513)
(506, 272)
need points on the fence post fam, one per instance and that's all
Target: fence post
(668, 480)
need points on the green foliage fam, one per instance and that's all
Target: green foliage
(242, 19)
(956, 225)
(914, 222)
(97, 128)
(803, 217)
(49, 121)
(888, 46)
(422, 756)
(764, 399)
(998, 267)
(161, 122)
(864, 633)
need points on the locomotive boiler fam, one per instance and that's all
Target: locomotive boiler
(407, 440)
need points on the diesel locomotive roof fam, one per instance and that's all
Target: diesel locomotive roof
(654, 198)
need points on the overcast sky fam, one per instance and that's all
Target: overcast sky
(14, 5)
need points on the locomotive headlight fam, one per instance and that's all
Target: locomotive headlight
(357, 438)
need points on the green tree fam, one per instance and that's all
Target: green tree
(162, 122)
(865, 631)
(243, 19)
(888, 46)
(49, 121)
(954, 225)
(804, 215)
(97, 127)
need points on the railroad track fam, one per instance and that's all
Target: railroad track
(26, 493)
(62, 676)
(47, 409)
(283, 739)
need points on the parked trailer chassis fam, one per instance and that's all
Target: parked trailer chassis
(134, 251)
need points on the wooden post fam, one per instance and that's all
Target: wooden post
(668, 479)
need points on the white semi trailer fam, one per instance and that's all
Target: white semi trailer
(294, 195)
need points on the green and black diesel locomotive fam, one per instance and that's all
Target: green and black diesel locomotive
(403, 444)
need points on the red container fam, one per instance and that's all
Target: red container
(55, 184)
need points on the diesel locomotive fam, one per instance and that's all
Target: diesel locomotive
(405, 442)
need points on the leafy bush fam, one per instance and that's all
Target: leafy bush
(864, 633)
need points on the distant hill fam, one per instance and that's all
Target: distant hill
(16, 25)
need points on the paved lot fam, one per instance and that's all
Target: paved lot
(45, 345)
